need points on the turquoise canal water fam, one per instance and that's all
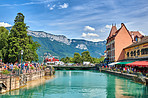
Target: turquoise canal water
(82, 84)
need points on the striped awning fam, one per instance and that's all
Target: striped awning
(138, 63)
(120, 63)
(112, 64)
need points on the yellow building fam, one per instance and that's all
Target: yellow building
(138, 50)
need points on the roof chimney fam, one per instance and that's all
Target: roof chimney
(132, 35)
(122, 24)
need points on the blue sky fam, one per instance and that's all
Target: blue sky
(85, 19)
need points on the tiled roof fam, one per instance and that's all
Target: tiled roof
(112, 32)
(143, 41)
(136, 33)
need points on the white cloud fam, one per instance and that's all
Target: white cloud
(5, 24)
(51, 7)
(65, 5)
(96, 40)
(84, 35)
(108, 26)
(48, 5)
(88, 28)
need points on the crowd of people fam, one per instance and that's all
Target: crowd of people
(127, 69)
(25, 67)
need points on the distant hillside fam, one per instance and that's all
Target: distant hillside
(59, 45)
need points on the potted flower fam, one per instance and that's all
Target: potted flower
(118, 70)
(41, 67)
(32, 67)
(131, 72)
(5, 72)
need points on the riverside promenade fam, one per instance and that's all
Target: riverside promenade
(14, 80)
(133, 76)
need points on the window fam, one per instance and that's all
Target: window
(138, 52)
(127, 54)
(113, 45)
(144, 51)
(131, 53)
(136, 39)
(134, 53)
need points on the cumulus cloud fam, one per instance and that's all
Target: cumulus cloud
(95, 40)
(65, 5)
(51, 7)
(5, 24)
(89, 29)
(88, 35)
(108, 26)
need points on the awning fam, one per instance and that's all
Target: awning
(112, 64)
(123, 63)
(138, 63)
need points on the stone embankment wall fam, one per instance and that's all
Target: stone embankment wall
(15, 82)
(133, 77)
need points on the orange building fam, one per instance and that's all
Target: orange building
(118, 40)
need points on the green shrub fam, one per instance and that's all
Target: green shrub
(5, 72)
(147, 75)
(131, 72)
(40, 67)
(16, 68)
(118, 70)
(32, 67)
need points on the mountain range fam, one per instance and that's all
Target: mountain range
(61, 46)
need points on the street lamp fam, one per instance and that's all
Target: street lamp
(21, 60)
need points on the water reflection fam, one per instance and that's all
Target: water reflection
(81, 84)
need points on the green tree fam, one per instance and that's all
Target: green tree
(19, 18)
(63, 60)
(3, 42)
(71, 59)
(19, 40)
(77, 58)
(86, 56)
(67, 60)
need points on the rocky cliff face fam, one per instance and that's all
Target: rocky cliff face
(80, 44)
(59, 38)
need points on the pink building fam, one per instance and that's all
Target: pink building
(118, 40)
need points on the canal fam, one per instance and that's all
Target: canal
(81, 84)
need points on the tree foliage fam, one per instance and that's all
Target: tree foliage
(77, 58)
(3, 42)
(84, 57)
(16, 41)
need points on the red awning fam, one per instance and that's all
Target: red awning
(138, 63)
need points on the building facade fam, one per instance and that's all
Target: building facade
(118, 40)
(138, 50)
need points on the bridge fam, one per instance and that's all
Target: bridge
(74, 67)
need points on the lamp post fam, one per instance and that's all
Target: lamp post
(45, 55)
(21, 60)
